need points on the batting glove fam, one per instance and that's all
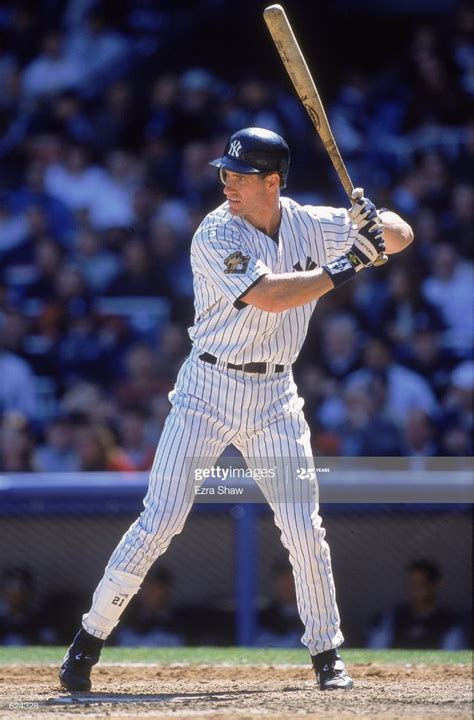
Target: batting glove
(363, 210)
(368, 245)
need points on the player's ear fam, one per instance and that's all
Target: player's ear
(272, 181)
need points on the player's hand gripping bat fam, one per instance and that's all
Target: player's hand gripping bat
(290, 53)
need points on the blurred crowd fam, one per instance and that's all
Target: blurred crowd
(104, 177)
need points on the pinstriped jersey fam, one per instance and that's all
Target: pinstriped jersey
(228, 255)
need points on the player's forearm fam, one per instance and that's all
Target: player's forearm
(276, 293)
(397, 234)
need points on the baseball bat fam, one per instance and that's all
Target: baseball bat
(290, 52)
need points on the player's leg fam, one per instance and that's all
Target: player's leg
(166, 506)
(191, 431)
(285, 444)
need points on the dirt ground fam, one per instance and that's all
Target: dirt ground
(220, 692)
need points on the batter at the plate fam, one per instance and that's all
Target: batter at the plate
(260, 262)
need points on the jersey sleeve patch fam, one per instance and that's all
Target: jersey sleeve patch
(237, 263)
(221, 258)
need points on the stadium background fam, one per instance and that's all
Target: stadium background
(107, 122)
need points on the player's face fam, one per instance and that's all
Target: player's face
(245, 193)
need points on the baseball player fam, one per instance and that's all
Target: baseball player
(260, 262)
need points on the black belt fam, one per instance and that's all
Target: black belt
(256, 367)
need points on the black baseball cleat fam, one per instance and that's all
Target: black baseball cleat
(75, 672)
(330, 671)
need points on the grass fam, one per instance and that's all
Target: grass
(233, 655)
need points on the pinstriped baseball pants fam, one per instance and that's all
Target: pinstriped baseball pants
(261, 414)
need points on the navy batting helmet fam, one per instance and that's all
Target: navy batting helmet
(255, 151)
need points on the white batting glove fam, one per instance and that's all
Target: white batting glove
(368, 245)
(363, 211)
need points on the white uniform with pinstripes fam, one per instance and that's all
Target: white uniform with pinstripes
(261, 414)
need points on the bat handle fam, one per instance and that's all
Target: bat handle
(380, 260)
(356, 194)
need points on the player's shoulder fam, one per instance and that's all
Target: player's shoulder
(219, 223)
(220, 217)
(321, 213)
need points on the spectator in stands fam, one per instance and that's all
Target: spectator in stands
(71, 294)
(13, 227)
(197, 184)
(169, 261)
(428, 234)
(98, 451)
(14, 331)
(115, 208)
(405, 389)
(67, 117)
(315, 386)
(159, 411)
(53, 71)
(100, 52)
(419, 435)
(116, 120)
(407, 193)
(449, 289)
(278, 623)
(18, 339)
(82, 350)
(134, 438)
(76, 181)
(425, 355)
(125, 170)
(435, 94)
(350, 119)
(18, 385)
(406, 310)
(36, 228)
(33, 193)
(164, 97)
(137, 277)
(458, 411)
(433, 169)
(48, 258)
(459, 219)
(339, 352)
(150, 620)
(421, 622)
(57, 453)
(89, 401)
(366, 427)
(18, 610)
(162, 165)
(256, 107)
(194, 117)
(172, 346)
(461, 44)
(16, 443)
(142, 380)
(97, 264)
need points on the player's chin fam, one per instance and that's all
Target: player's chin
(235, 207)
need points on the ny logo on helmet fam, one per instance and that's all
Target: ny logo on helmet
(235, 148)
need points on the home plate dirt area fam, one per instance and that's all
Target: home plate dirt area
(218, 692)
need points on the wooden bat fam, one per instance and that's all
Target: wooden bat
(287, 45)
